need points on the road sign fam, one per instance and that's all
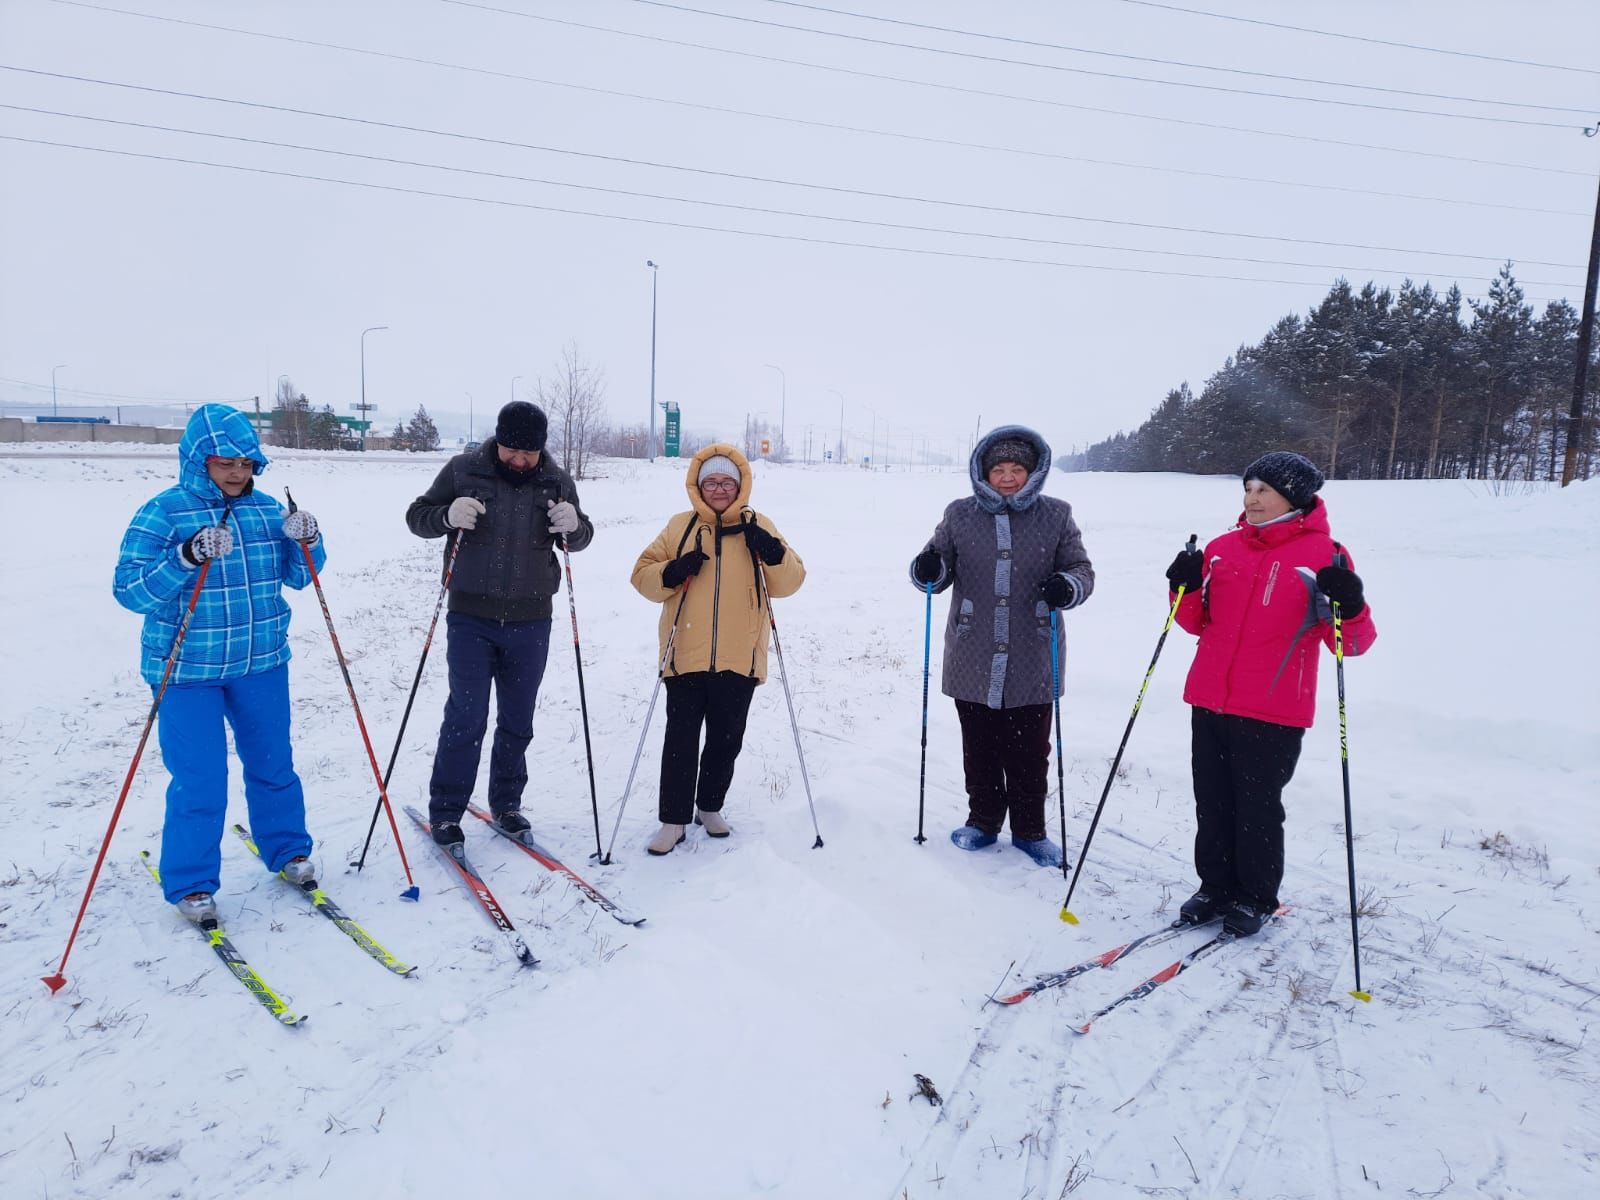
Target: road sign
(766, 446)
(670, 447)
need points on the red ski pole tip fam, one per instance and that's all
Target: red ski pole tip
(54, 982)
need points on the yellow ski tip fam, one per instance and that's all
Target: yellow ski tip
(1068, 917)
(1364, 997)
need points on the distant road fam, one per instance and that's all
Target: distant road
(171, 451)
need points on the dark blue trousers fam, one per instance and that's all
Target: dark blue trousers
(511, 656)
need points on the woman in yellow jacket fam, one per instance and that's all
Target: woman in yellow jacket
(711, 570)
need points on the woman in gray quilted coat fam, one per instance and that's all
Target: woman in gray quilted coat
(1010, 556)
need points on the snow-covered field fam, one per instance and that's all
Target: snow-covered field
(758, 1036)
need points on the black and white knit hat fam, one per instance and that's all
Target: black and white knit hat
(1011, 449)
(1293, 476)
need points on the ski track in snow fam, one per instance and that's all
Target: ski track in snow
(758, 1035)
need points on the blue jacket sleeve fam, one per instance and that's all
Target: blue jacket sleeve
(151, 573)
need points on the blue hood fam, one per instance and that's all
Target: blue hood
(216, 429)
(989, 499)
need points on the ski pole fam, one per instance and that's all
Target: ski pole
(59, 980)
(783, 673)
(1172, 613)
(927, 654)
(444, 588)
(1339, 560)
(412, 891)
(583, 699)
(1061, 766)
(655, 692)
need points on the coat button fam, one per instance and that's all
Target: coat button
(1002, 601)
(1005, 554)
(1000, 645)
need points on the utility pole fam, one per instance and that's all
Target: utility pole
(840, 455)
(783, 413)
(54, 411)
(1580, 380)
(653, 271)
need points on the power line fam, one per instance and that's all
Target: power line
(154, 400)
(836, 189)
(653, 221)
(725, 205)
(1042, 66)
(1166, 120)
(1352, 37)
(926, 83)
(1166, 62)
(1021, 151)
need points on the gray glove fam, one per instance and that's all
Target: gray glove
(563, 517)
(214, 541)
(464, 512)
(300, 526)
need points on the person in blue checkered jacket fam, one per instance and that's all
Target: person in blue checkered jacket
(233, 664)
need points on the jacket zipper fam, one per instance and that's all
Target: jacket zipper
(716, 597)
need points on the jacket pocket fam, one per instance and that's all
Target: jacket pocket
(1041, 614)
(964, 619)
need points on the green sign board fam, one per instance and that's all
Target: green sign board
(670, 447)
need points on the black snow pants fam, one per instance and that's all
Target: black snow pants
(692, 778)
(1006, 756)
(1241, 767)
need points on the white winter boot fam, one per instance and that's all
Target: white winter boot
(667, 837)
(300, 872)
(713, 824)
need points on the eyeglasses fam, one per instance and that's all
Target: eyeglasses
(231, 464)
(720, 484)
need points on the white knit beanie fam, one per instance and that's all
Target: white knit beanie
(717, 464)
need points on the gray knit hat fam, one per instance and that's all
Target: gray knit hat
(1011, 449)
(1293, 476)
(717, 464)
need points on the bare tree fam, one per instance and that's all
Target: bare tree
(573, 397)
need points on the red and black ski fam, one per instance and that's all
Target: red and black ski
(550, 862)
(480, 892)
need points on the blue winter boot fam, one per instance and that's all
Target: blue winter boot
(1044, 852)
(970, 837)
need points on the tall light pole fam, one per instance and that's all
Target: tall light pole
(54, 411)
(653, 270)
(840, 394)
(468, 395)
(364, 408)
(783, 411)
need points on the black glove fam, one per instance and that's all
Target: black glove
(1059, 591)
(1343, 587)
(762, 544)
(1186, 569)
(927, 567)
(679, 569)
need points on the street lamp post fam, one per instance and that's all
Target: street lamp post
(840, 394)
(783, 412)
(653, 271)
(468, 395)
(54, 411)
(364, 408)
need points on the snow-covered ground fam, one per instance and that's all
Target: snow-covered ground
(758, 1036)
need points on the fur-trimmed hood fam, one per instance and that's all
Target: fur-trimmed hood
(989, 499)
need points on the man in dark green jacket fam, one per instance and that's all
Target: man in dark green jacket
(513, 504)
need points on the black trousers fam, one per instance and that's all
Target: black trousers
(692, 778)
(1241, 767)
(1006, 755)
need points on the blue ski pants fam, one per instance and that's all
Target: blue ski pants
(510, 655)
(194, 745)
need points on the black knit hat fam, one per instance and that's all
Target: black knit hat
(521, 426)
(1293, 476)
(1011, 449)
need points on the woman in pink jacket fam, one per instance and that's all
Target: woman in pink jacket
(1260, 598)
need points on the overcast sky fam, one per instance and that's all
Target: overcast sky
(163, 279)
